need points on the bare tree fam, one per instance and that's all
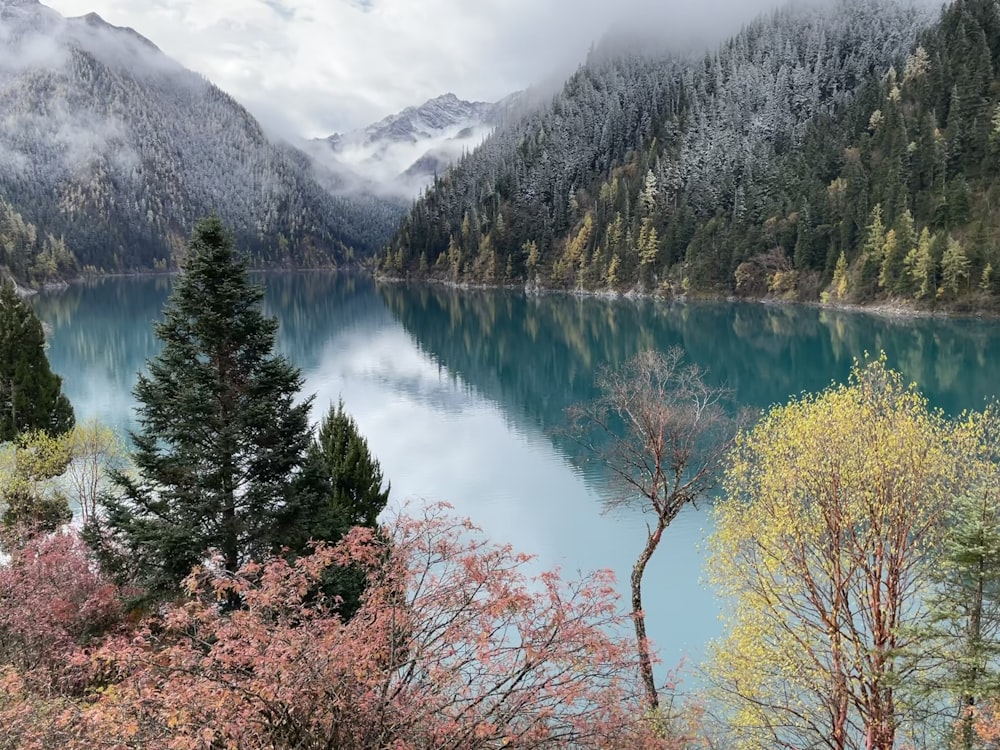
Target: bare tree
(95, 450)
(663, 433)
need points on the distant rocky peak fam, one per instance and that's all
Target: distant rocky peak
(447, 110)
(433, 118)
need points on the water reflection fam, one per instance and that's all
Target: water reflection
(538, 355)
(101, 336)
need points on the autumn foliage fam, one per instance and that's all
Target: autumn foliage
(454, 646)
(53, 604)
(826, 537)
(52, 600)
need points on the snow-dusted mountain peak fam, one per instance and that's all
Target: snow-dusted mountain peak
(446, 115)
(402, 152)
(113, 145)
(433, 118)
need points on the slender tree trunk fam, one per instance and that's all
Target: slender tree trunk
(13, 408)
(880, 701)
(882, 729)
(639, 617)
(972, 646)
(226, 374)
(231, 544)
(840, 699)
(230, 534)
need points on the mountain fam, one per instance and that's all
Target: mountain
(851, 149)
(444, 115)
(400, 155)
(110, 145)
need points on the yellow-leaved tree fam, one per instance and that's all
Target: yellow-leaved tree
(833, 505)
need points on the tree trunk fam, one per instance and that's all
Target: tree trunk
(973, 647)
(639, 618)
(230, 533)
(13, 409)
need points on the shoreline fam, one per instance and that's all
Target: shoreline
(55, 286)
(889, 309)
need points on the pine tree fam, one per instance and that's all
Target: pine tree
(805, 253)
(649, 249)
(611, 275)
(530, 249)
(341, 487)
(921, 266)
(870, 263)
(31, 395)
(650, 189)
(221, 440)
(839, 284)
(965, 606)
(961, 639)
(352, 478)
(954, 268)
(892, 261)
(454, 258)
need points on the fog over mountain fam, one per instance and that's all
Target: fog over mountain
(401, 154)
(673, 170)
(108, 142)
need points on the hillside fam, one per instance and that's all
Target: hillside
(811, 140)
(30, 256)
(116, 149)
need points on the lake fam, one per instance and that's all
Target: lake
(461, 395)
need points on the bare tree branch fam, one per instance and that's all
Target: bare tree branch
(663, 434)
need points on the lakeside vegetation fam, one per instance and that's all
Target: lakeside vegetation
(32, 257)
(192, 611)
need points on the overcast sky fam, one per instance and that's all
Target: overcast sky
(312, 67)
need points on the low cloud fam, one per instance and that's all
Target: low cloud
(43, 125)
(34, 52)
(312, 67)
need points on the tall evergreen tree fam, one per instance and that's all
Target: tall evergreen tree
(221, 440)
(31, 395)
(962, 637)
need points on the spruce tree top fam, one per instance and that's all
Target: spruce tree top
(31, 395)
(354, 477)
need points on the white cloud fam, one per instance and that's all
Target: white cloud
(311, 67)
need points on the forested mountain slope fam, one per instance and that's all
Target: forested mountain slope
(110, 145)
(794, 148)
